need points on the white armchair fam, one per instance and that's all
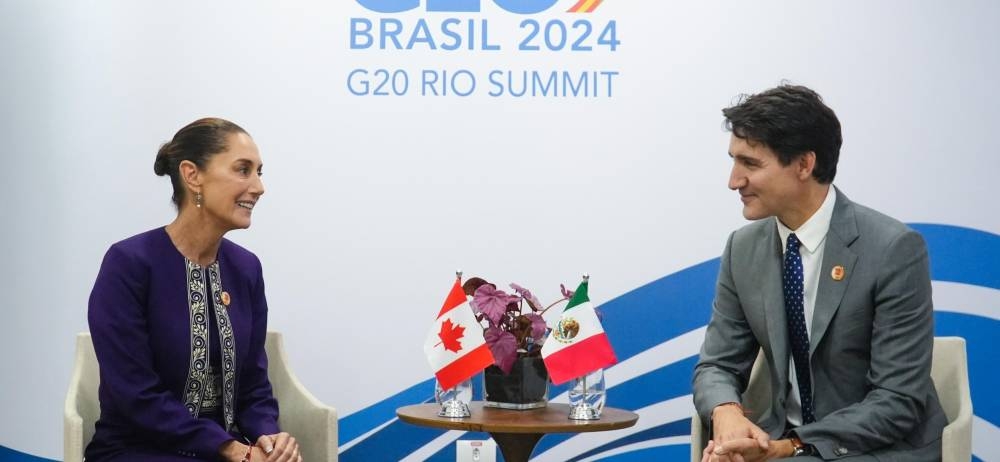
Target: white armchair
(81, 408)
(949, 371)
(313, 424)
(755, 400)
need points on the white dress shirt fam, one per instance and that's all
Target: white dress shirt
(812, 235)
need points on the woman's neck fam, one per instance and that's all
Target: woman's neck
(195, 238)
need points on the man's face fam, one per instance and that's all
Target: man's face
(766, 187)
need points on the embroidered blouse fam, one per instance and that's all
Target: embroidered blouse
(163, 328)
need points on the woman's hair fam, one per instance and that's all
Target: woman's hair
(196, 142)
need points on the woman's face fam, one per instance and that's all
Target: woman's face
(231, 184)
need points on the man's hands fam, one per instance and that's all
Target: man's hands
(280, 447)
(746, 450)
(737, 439)
(729, 423)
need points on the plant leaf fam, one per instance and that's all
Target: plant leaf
(566, 293)
(538, 326)
(528, 296)
(503, 345)
(491, 302)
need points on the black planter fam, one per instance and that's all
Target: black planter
(526, 387)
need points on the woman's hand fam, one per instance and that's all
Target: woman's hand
(280, 447)
(233, 451)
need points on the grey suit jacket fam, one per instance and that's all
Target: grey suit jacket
(871, 343)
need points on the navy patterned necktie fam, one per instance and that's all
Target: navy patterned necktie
(797, 333)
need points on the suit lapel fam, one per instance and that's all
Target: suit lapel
(773, 300)
(843, 232)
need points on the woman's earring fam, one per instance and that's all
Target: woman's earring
(197, 200)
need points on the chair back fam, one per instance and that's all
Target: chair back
(312, 423)
(950, 372)
(81, 408)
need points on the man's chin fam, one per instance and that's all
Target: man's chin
(752, 214)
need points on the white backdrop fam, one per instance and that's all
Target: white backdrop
(373, 201)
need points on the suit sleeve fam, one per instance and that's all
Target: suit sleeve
(729, 349)
(118, 326)
(901, 346)
(257, 410)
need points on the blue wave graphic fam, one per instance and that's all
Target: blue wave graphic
(665, 309)
(10, 455)
(681, 302)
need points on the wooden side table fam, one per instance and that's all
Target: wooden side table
(516, 432)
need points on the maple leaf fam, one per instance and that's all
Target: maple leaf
(450, 335)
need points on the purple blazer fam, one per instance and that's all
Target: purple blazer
(150, 314)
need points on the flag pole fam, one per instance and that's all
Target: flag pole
(452, 404)
(584, 410)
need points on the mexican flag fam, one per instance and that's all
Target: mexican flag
(577, 344)
(455, 346)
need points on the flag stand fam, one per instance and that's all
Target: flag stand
(584, 410)
(452, 403)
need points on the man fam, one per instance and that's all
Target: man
(837, 297)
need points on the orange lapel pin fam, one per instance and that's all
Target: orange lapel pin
(837, 273)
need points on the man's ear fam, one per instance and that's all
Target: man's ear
(190, 175)
(805, 164)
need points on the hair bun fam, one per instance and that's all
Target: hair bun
(162, 164)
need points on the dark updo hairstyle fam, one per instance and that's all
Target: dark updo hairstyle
(196, 142)
(791, 120)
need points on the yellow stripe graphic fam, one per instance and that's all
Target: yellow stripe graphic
(585, 6)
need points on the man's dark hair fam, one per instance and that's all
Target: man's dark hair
(791, 120)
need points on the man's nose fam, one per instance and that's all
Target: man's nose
(737, 179)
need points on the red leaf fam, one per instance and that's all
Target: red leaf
(450, 335)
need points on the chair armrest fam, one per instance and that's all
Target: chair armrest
(956, 438)
(72, 420)
(699, 437)
(312, 423)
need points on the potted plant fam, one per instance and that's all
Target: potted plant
(515, 331)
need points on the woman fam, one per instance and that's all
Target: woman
(178, 317)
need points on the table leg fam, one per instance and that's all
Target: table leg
(516, 447)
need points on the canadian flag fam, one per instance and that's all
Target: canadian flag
(455, 346)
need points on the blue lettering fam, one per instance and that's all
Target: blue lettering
(610, 74)
(429, 79)
(361, 28)
(494, 75)
(525, 6)
(552, 84)
(581, 84)
(390, 6)
(470, 86)
(537, 86)
(363, 82)
(390, 33)
(510, 84)
(467, 6)
(485, 31)
(421, 34)
(455, 36)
